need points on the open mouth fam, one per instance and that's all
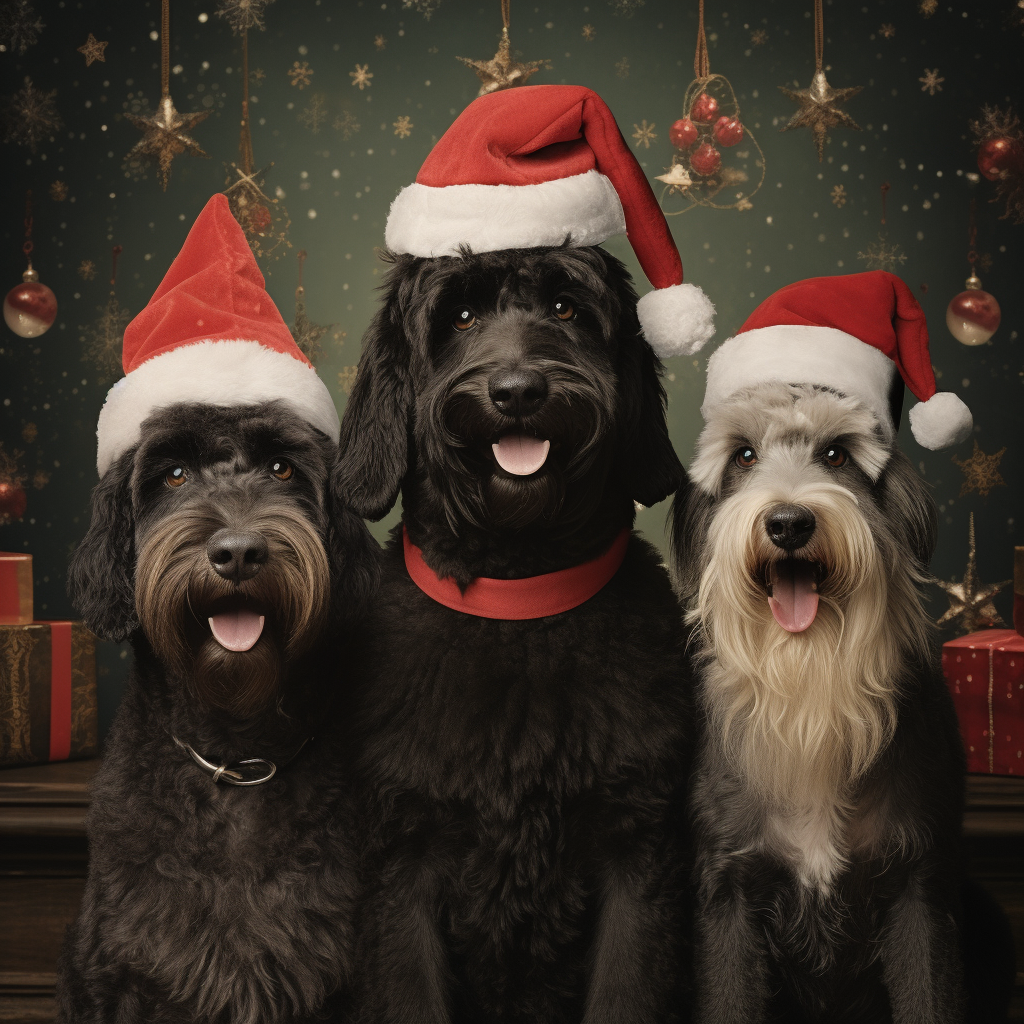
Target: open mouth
(520, 454)
(792, 585)
(235, 624)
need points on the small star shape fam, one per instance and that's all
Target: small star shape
(981, 472)
(931, 82)
(589, 32)
(403, 126)
(838, 195)
(677, 177)
(59, 191)
(887, 31)
(501, 71)
(92, 49)
(644, 134)
(257, 76)
(301, 74)
(928, 7)
(361, 76)
(87, 270)
(347, 125)
(165, 136)
(819, 109)
(380, 42)
(759, 36)
(970, 603)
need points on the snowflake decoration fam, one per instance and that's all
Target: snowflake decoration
(380, 42)
(347, 125)
(361, 76)
(589, 33)
(625, 8)
(887, 31)
(257, 76)
(315, 115)
(759, 37)
(264, 220)
(838, 195)
(19, 26)
(931, 82)
(30, 116)
(103, 340)
(928, 7)
(87, 270)
(29, 433)
(59, 191)
(403, 127)
(744, 203)
(307, 333)
(92, 49)
(644, 134)
(243, 15)
(424, 7)
(622, 68)
(981, 472)
(300, 74)
(40, 478)
(347, 378)
(881, 255)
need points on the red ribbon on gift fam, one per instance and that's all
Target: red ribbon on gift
(60, 690)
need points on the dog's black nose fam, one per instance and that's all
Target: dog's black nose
(236, 556)
(789, 526)
(518, 392)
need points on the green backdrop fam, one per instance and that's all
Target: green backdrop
(639, 57)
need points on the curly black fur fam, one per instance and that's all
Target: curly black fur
(207, 902)
(523, 778)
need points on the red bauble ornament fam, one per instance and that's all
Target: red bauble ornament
(973, 316)
(13, 501)
(704, 108)
(728, 131)
(261, 218)
(683, 134)
(706, 159)
(998, 155)
(30, 307)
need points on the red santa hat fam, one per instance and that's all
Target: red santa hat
(853, 333)
(212, 334)
(533, 166)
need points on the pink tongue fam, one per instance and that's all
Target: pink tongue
(794, 600)
(236, 630)
(520, 454)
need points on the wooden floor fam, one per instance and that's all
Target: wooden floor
(43, 861)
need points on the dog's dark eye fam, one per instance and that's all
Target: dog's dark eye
(564, 309)
(281, 469)
(176, 477)
(836, 456)
(464, 318)
(745, 457)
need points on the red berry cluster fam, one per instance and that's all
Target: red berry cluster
(727, 131)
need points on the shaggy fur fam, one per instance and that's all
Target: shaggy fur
(207, 902)
(829, 779)
(523, 778)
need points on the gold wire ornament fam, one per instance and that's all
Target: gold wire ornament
(501, 71)
(306, 333)
(165, 134)
(970, 601)
(103, 340)
(710, 128)
(883, 254)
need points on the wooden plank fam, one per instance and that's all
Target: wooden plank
(35, 912)
(27, 1009)
(63, 783)
(55, 820)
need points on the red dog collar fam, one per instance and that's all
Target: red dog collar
(533, 597)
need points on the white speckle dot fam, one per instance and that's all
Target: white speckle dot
(369, 152)
(767, 220)
(311, 214)
(303, 50)
(335, 173)
(154, 35)
(113, 195)
(203, 18)
(966, 382)
(304, 174)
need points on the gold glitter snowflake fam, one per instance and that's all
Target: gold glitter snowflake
(622, 68)
(40, 478)
(981, 472)
(403, 127)
(102, 341)
(970, 601)
(347, 125)
(881, 255)
(19, 26)
(29, 433)
(380, 42)
(315, 115)
(30, 116)
(759, 37)
(931, 82)
(361, 76)
(300, 74)
(87, 270)
(928, 7)
(424, 7)
(887, 31)
(257, 76)
(625, 8)
(838, 195)
(243, 15)
(59, 191)
(347, 378)
(644, 134)
(589, 32)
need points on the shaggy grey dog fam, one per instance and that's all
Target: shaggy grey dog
(219, 548)
(829, 782)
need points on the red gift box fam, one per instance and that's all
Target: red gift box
(15, 588)
(985, 673)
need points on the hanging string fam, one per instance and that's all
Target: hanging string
(505, 7)
(27, 246)
(972, 238)
(301, 257)
(165, 49)
(115, 252)
(245, 141)
(885, 191)
(819, 39)
(701, 61)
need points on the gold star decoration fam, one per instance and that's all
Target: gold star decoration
(887, 31)
(59, 191)
(264, 220)
(838, 195)
(403, 126)
(380, 42)
(501, 71)
(589, 33)
(759, 36)
(970, 603)
(165, 136)
(361, 76)
(932, 83)
(644, 134)
(92, 49)
(981, 472)
(87, 270)
(928, 7)
(819, 109)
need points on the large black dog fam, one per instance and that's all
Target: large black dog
(217, 893)
(524, 776)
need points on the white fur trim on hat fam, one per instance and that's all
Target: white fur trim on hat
(941, 421)
(676, 320)
(802, 355)
(223, 373)
(435, 221)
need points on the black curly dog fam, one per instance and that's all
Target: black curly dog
(523, 777)
(206, 901)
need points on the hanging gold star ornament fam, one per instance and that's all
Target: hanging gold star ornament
(165, 134)
(819, 102)
(306, 333)
(501, 71)
(970, 602)
(883, 254)
(92, 49)
(981, 472)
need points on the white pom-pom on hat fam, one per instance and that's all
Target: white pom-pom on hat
(677, 320)
(941, 422)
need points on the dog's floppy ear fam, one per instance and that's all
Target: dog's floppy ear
(101, 575)
(689, 522)
(911, 505)
(650, 467)
(355, 556)
(375, 427)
